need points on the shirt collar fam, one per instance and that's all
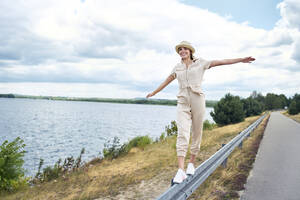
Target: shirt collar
(194, 61)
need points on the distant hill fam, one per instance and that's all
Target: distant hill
(137, 100)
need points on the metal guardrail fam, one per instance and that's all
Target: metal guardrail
(190, 184)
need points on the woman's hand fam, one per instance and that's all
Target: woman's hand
(162, 86)
(150, 95)
(247, 59)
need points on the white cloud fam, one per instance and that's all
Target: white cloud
(130, 46)
(290, 13)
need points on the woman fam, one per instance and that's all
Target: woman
(190, 102)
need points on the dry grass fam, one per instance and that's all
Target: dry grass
(107, 177)
(294, 117)
(110, 178)
(225, 183)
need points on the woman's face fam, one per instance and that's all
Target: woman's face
(184, 52)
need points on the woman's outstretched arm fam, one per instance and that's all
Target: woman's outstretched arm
(162, 86)
(231, 61)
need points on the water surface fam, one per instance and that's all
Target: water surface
(58, 129)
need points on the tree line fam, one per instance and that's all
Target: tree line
(209, 103)
(233, 109)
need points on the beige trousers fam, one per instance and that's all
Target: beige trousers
(190, 116)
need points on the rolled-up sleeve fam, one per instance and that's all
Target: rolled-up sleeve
(205, 63)
(173, 72)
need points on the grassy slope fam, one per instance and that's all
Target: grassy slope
(228, 183)
(294, 117)
(110, 178)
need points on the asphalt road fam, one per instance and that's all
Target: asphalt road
(276, 171)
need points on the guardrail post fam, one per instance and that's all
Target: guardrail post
(241, 145)
(224, 163)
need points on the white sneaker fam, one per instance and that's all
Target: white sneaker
(190, 170)
(180, 176)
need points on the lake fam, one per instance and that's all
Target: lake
(58, 129)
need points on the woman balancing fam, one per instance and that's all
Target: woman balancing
(190, 102)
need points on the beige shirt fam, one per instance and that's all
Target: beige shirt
(191, 76)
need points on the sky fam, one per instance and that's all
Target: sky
(125, 49)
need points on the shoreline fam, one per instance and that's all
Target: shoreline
(167, 102)
(145, 169)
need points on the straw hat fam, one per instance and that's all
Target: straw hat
(184, 44)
